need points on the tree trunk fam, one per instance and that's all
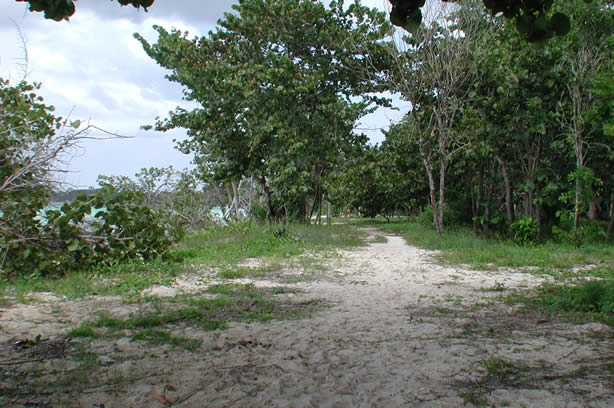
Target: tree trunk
(576, 212)
(508, 191)
(319, 216)
(251, 195)
(488, 193)
(428, 166)
(478, 203)
(442, 184)
(538, 220)
(235, 199)
(329, 211)
(267, 199)
(608, 235)
(314, 205)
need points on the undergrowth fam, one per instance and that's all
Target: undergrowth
(220, 247)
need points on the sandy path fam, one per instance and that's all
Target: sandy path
(401, 332)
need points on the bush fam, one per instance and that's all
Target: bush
(525, 231)
(587, 231)
(122, 229)
(34, 241)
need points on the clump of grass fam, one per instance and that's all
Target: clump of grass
(587, 299)
(476, 398)
(505, 371)
(379, 239)
(230, 244)
(497, 287)
(162, 337)
(214, 246)
(82, 331)
(127, 279)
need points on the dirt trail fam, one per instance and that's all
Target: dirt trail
(401, 332)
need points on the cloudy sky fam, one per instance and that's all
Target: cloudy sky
(92, 69)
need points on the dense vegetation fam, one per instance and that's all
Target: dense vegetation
(505, 137)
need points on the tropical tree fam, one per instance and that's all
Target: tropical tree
(279, 86)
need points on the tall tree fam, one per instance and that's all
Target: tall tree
(435, 71)
(279, 85)
(586, 56)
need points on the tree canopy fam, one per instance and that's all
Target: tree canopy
(280, 86)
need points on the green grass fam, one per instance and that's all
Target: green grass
(220, 247)
(229, 245)
(584, 299)
(476, 398)
(161, 337)
(233, 302)
(82, 331)
(127, 279)
(462, 246)
(505, 371)
(379, 239)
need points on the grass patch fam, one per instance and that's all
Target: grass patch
(232, 244)
(462, 246)
(161, 337)
(503, 370)
(127, 279)
(233, 302)
(585, 300)
(379, 239)
(82, 331)
(476, 398)
(220, 246)
(497, 287)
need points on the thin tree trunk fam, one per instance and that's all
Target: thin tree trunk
(489, 193)
(251, 195)
(508, 191)
(538, 220)
(576, 213)
(314, 205)
(235, 199)
(267, 199)
(319, 216)
(329, 211)
(478, 203)
(442, 184)
(608, 235)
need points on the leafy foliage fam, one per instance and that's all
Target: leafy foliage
(100, 229)
(279, 85)
(525, 231)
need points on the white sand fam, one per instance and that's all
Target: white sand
(401, 332)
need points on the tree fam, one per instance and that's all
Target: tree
(586, 54)
(434, 72)
(279, 85)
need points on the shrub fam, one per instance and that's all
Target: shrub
(525, 231)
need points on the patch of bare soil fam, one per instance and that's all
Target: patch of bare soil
(401, 332)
